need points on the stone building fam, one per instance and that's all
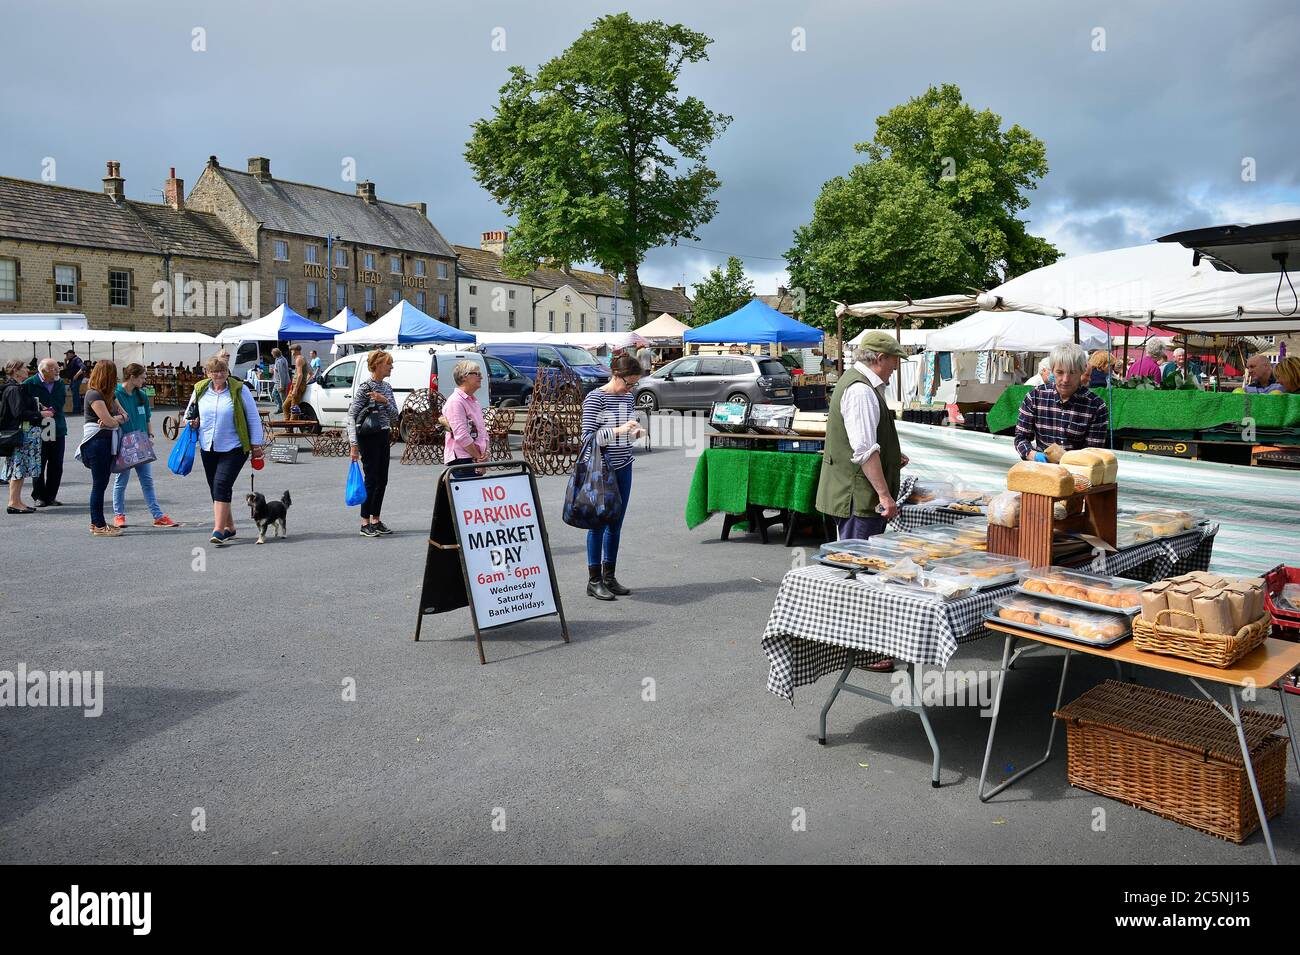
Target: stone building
(124, 264)
(548, 299)
(319, 249)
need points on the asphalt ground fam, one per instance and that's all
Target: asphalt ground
(226, 670)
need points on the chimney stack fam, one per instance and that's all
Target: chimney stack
(114, 184)
(782, 291)
(366, 190)
(680, 290)
(174, 191)
(494, 242)
(420, 207)
(259, 167)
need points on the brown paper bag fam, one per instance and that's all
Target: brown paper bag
(1154, 599)
(1256, 585)
(1213, 612)
(1238, 600)
(1180, 598)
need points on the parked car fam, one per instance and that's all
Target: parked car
(526, 359)
(414, 367)
(509, 388)
(699, 380)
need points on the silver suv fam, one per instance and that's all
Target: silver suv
(700, 380)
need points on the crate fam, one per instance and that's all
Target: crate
(1174, 756)
(729, 441)
(805, 445)
(283, 453)
(1286, 623)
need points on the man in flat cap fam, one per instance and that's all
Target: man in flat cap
(862, 459)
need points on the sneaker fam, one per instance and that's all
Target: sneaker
(382, 528)
(165, 521)
(230, 534)
(369, 531)
(119, 520)
(106, 531)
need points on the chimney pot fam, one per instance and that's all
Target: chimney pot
(259, 167)
(494, 241)
(366, 190)
(420, 207)
(174, 191)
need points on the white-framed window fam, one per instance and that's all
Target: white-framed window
(395, 265)
(442, 270)
(419, 300)
(119, 288)
(311, 254)
(281, 250)
(550, 321)
(8, 280)
(582, 322)
(567, 316)
(313, 294)
(473, 315)
(394, 296)
(512, 293)
(473, 290)
(65, 285)
(370, 298)
(281, 291)
(341, 258)
(442, 305)
(419, 267)
(511, 313)
(370, 260)
(602, 323)
(340, 295)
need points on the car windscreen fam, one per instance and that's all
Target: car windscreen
(574, 355)
(770, 366)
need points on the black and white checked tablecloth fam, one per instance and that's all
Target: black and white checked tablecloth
(912, 517)
(821, 620)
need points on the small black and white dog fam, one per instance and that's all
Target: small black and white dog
(269, 514)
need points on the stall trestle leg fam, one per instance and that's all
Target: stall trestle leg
(839, 685)
(993, 727)
(1290, 732)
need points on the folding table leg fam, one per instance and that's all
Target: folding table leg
(1286, 715)
(993, 725)
(1250, 773)
(821, 733)
(919, 708)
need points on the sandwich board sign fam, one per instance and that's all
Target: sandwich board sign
(488, 550)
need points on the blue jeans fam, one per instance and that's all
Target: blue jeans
(278, 397)
(602, 542)
(145, 473)
(97, 454)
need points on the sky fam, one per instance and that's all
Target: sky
(1157, 115)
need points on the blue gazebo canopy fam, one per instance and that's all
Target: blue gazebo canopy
(404, 324)
(281, 325)
(755, 324)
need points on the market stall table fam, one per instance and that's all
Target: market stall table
(823, 621)
(1266, 666)
(742, 484)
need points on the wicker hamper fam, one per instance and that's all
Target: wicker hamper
(1174, 756)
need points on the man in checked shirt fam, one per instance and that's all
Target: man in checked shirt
(1062, 412)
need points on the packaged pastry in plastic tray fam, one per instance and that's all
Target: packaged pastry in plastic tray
(931, 543)
(1130, 533)
(981, 570)
(1062, 620)
(856, 560)
(931, 492)
(1089, 590)
(849, 543)
(1165, 521)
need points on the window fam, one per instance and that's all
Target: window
(602, 323)
(8, 280)
(714, 366)
(312, 254)
(473, 315)
(370, 298)
(548, 358)
(442, 305)
(119, 288)
(419, 301)
(550, 321)
(582, 322)
(65, 285)
(419, 267)
(281, 291)
(566, 320)
(341, 258)
(312, 293)
(395, 264)
(682, 368)
(473, 290)
(395, 296)
(370, 260)
(512, 318)
(512, 293)
(738, 366)
(281, 250)
(340, 295)
(340, 376)
(442, 270)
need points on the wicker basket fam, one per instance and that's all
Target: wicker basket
(1174, 756)
(1212, 649)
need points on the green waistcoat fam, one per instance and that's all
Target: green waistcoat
(236, 399)
(843, 490)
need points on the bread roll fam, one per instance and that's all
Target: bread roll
(1017, 616)
(1037, 585)
(1034, 477)
(1097, 629)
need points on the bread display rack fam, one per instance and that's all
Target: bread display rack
(1093, 512)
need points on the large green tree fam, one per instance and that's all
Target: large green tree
(597, 156)
(934, 210)
(721, 292)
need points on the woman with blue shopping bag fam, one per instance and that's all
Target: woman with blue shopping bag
(223, 416)
(609, 417)
(371, 418)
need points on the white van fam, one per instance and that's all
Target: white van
(414, 367)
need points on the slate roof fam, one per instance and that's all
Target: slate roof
(481, 264)
(43, 212)
(302, 209)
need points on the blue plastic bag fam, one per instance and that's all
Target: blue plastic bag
(181, 460)
(356, 488)
(593, 499)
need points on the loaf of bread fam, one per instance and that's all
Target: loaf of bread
(1034, 477)
(1110, 461)
(1054, 453)
(1086, 464)
(1004, 509)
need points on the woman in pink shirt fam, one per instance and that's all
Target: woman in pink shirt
(1148, 364)
(467, 433)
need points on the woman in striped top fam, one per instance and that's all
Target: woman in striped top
(609, 414)
(371, 418)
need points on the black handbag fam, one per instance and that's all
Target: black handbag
(368, 424)
(11, 439)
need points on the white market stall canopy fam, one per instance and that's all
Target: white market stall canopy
(587, 340)
(665, 326)
(114, 336)
(1000, 331)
